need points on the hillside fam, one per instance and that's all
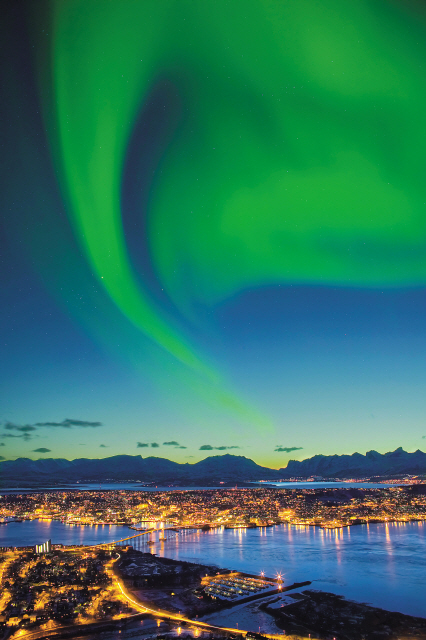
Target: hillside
(213, 469)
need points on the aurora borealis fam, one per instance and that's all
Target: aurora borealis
(214, 227)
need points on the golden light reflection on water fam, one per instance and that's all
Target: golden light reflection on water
(338, 532)
(355, 558)
(388, 540)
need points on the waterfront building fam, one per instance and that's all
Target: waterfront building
(45, 547)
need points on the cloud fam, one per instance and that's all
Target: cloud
(174, 444)
(26, 429)
(25, 436)
(154, 445)
(42, 450)
(16, 427)
(208, 447)
(2, 444)
(103, 446)
(286, 449)
(423, 437)
(68, 423)
(142, 444)
(232, 447)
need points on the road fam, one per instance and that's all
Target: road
(159, 613)
(141, 608)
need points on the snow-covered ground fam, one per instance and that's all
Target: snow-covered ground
(248, 616)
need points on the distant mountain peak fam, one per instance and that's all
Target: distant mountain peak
(217, 468)
(359, 466)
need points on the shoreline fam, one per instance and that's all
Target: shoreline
(212, 527)
(135, 485)
(338, 610)
(324, 614)
(297, 619)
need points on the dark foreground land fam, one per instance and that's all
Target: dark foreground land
(166, 584)
(180, 587)
(173, 587)
(328, 616)
(177, 586)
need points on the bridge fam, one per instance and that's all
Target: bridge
(136, 540)
(135, 603)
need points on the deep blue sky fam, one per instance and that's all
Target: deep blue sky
(307, 367)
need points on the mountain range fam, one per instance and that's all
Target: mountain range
(358, 466)
(213, 469)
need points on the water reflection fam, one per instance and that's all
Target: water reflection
(383, 564)
(377, 563)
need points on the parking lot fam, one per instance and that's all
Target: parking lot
(233, 587)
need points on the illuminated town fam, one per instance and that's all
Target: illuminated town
(65, 589)
(51, 589)
(330, 508)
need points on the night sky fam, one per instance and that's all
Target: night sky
(213, 228)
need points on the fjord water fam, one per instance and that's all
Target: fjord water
(380, 564)
(132, 486)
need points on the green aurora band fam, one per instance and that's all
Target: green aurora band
(298, 156)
